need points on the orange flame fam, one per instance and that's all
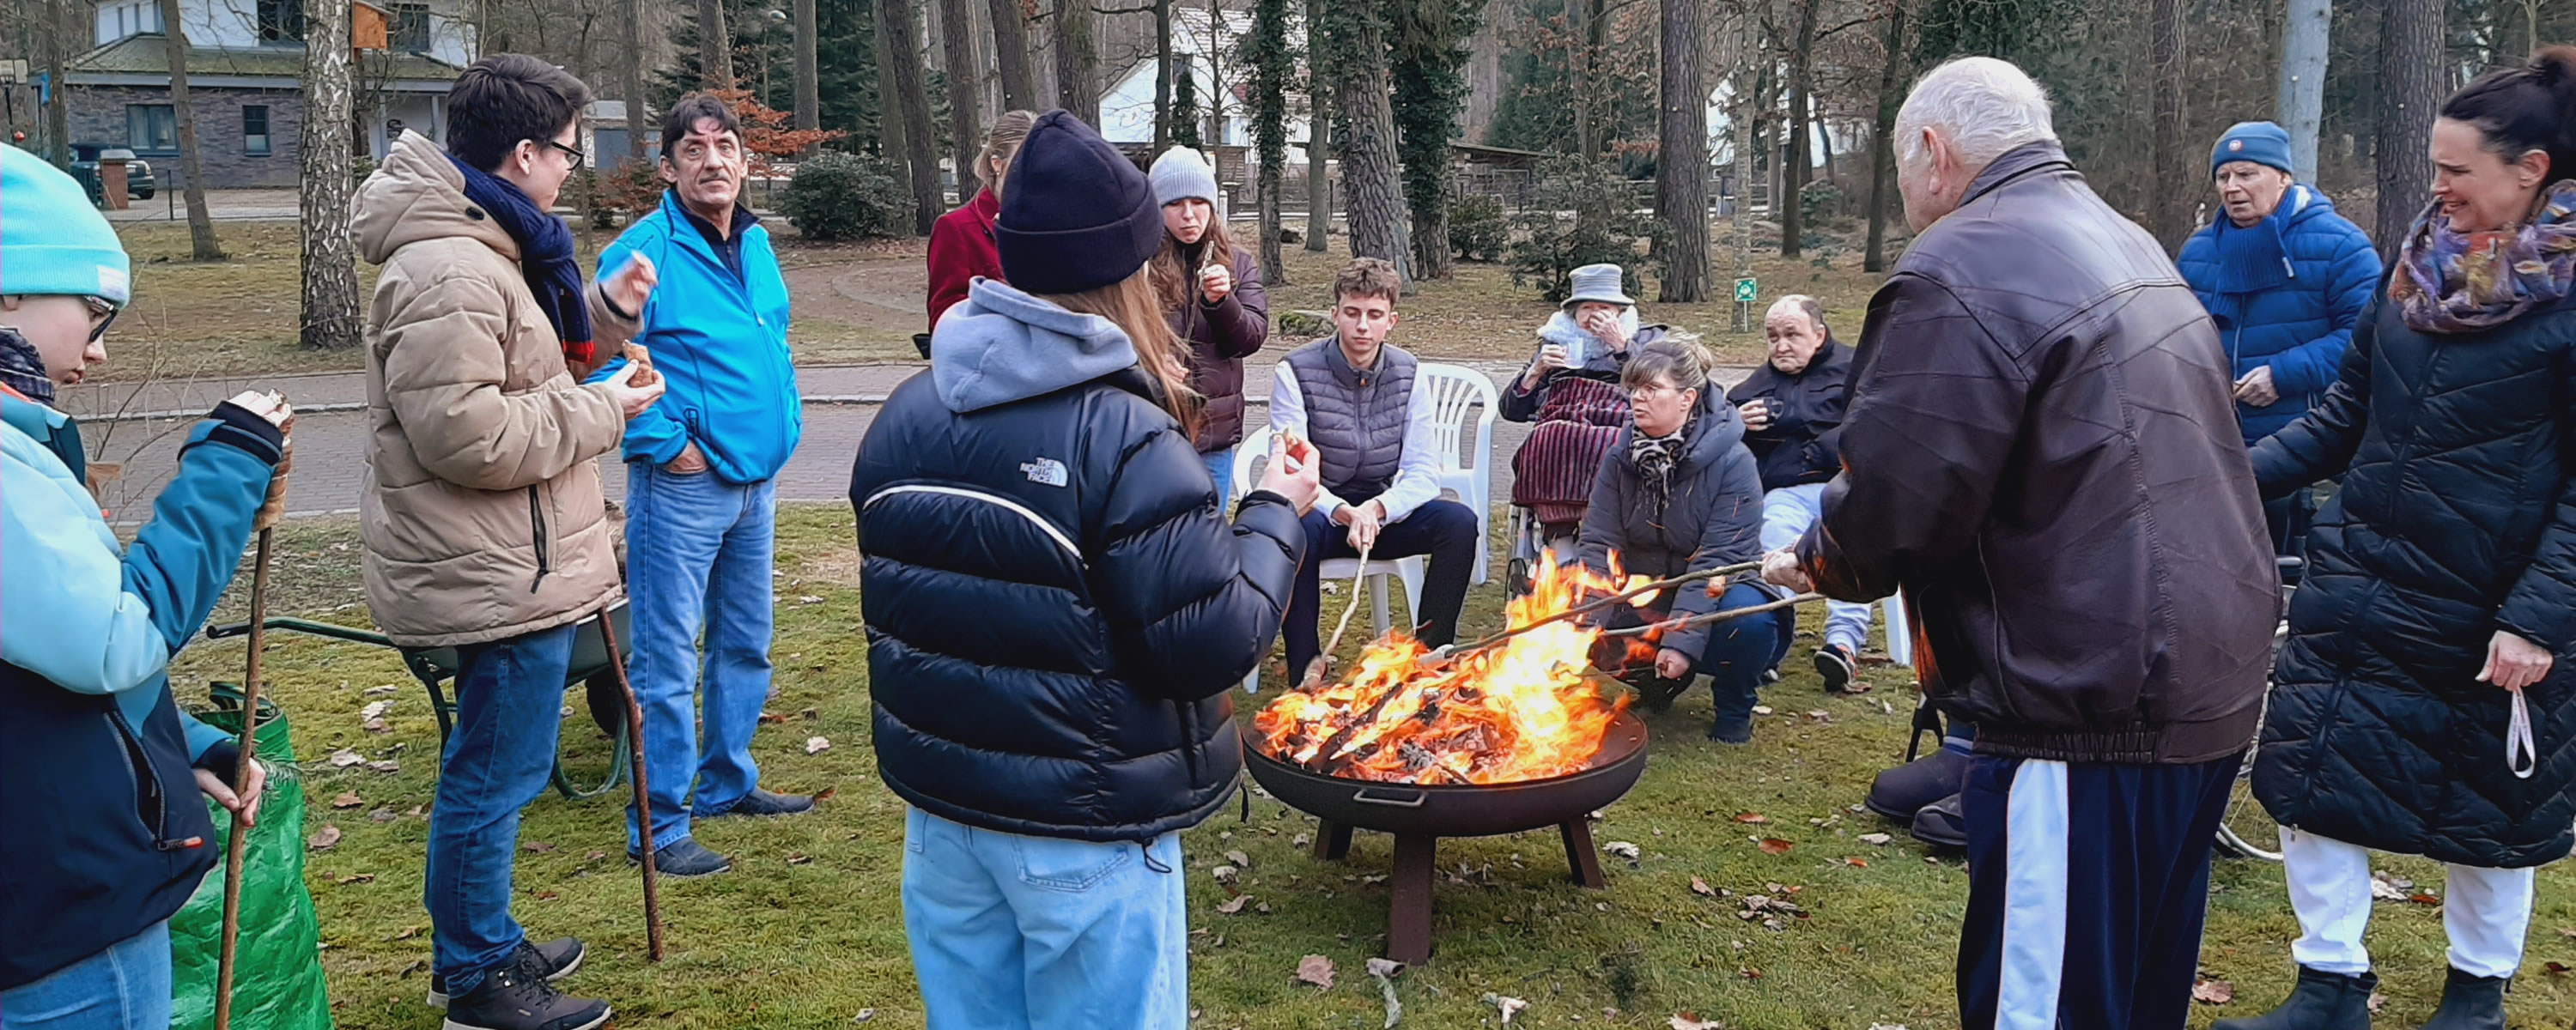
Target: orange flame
(1520, 710)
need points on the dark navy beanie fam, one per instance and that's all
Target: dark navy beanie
(2260, 142)
(1076, 214)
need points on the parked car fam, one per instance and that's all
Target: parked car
(139, 183)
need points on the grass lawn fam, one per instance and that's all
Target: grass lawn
(857, 302)
(807, 931)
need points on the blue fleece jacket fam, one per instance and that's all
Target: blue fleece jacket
(2285, 292)
(720, 339)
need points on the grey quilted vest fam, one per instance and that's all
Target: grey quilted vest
(1356, 418)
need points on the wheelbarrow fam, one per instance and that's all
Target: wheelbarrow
(434, 667)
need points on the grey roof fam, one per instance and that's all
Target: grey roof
(148, 54)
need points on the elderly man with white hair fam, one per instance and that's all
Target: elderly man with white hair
(2041, 452)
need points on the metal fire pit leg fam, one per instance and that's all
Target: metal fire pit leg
(1408, 925)
(1332, 841)
(1580, 854)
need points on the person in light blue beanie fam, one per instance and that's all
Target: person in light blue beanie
(2286, 279)
(90, 735)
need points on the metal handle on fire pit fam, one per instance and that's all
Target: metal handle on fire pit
(1362, 797)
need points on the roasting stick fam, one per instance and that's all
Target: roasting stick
(264, 523)
(1669, 625)
(1314, 676)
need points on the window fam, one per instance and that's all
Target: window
(255, 130)
(124, 22)
(153, 127)
(410, 33)
(281, 21)
(147, 17)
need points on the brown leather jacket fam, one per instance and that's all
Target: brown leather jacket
(2041, 450)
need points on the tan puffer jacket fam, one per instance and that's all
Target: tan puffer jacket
(481, 510)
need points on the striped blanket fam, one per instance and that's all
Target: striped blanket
(1577, 425)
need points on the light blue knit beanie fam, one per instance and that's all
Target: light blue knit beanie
(52, 241)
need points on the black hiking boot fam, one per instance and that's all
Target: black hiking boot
(1900, 792)
(2321, 1001)
(556, 959)
(516, 996)
(2470, 1003)
(1943, 823)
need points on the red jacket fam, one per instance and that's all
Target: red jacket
(961, 248)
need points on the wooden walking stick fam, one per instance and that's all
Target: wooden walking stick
(266, 524)
(643, 797)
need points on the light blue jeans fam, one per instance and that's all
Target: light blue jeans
(1011, 932)
(126, 987)
(1221, 468)
(699, 552)
(1786, 514)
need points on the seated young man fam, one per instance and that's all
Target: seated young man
(1352, 395)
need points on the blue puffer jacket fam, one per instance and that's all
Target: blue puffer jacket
(1055, 605)
(2285, 293)
(721, 340)
(104, 833)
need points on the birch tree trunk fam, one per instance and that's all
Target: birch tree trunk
(2300, 106)
(330, 279)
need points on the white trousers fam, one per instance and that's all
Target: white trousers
(2485, 912)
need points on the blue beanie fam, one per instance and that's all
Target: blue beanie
(52, 240)
(1078, 215)
(2260, 142)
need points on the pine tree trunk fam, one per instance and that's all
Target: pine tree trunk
(1267, 53)
(900, 75)
(1681, 171)
(330, 315)
(1162, 76)
(1882, 137)
(1376, 219)
(965, 121)
(715, 46)
(202, 245)
(630, 69)
(2300, 107)
(1011, 56)
(58, 49)
(1319, 134)
(2175, 184)
(1796, 165)
(1077, 60)
(2410, 90)
(809, 70)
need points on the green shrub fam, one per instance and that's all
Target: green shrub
(1818, 202)
(838, 196)
(1479, 229)
(1581, 213)
(1304, 325)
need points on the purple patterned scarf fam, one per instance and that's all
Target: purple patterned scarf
(2454, 282)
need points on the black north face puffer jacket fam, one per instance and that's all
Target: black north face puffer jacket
(1055, 608)
(2457, 518)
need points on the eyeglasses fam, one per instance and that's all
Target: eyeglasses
(101, 315)
(571, 156)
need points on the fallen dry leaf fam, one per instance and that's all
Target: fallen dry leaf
(1262, 907)
(407, 933)
(356, 878)
(323, 839)
(2213, 992)
(817, 745)
(1761, 709)
(1510, 1006)
(382, 815)
(2424, 899)
(1856, 863)
(376, 726)
(1385, 972)
(347, 799)
(380, 691)
(2384, 887)
(1751, 817)
(386, 766)
(1317, 970)
(375, 710)
(547, 895)
(1224, 873)
(1691, 1021)
(1238, 859)
(1701, 887)
(771, 718)
(799, 858)
(1879, 839)
(1300, 840)
(1622, 849)
(826, 793)
(1235, 904)
(344, 758)
(538, 846)
(1774, 846)
(1385, 968)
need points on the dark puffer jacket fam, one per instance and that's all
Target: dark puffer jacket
(1712, 516)
(2457, 518)
(1220, 336)
(1055, 608)
(2041, 450)
(1803, 442)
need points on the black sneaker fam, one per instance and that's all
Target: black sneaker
(556, 959)
(516, 996)
(1943, 823)
(1835, 665)
(684, 859)
(764, 804)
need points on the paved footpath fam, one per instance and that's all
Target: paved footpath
(141, 425)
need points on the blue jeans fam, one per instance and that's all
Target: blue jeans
(1786, 514)
(708, 569)
(126, 987)
(509, 709)
(1012, 932)
(1739, 650)
(1221, 468)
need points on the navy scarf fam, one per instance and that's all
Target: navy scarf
(545, 256)
(2253, 258)
(23, 370)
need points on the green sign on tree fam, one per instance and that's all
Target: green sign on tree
(1744, 292)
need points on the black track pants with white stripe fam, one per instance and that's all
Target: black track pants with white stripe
(2087, 887)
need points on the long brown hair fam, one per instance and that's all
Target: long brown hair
(1129, 303)
(1174, 284)
(1010, 129)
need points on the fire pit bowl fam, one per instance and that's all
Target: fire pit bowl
(1419, 816)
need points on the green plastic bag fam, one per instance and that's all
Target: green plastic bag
(277, 965)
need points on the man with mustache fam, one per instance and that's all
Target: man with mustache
(700, 498)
